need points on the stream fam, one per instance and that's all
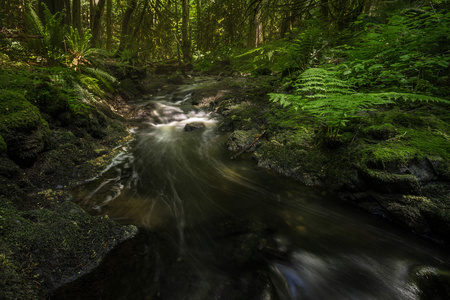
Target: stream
(216, 228)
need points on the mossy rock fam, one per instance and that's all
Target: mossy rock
(3, 146)
(128, 89)
(22, 127)
(52, 247)
(381, 156)
(408, 216)
(176, 78)
(92, 121)
(389, 183)
(243, 140)
(53, 102)
(381, 132)
(432, 283)
(8, 168)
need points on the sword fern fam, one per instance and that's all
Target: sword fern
(333, 102)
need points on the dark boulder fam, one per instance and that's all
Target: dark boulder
(193, 126)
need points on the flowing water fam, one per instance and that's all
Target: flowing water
(216, 228)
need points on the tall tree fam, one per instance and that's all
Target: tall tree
(109, 24)
(97, 7)
(56, 6)
(254, 37)
(125, 37)
(185, 39)
(76, 15)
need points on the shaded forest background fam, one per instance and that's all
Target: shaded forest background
(139, 31)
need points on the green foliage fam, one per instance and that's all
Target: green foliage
(51, 30)
(411, 52)
(78, 42)
(80, 51)
(286, 55)
(104, 77)
(333, 102)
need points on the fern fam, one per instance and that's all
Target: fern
(105, 78)
(51, 30)
(410, 97)
(80, 52)
(35, 27)
(333, 102)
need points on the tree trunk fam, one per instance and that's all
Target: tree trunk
(186, 42)
(141, 18)
(199, 24)
(55, 6)
(108, 24)
(124, 39)
(254, 28)
(76, 15)
(96, 21)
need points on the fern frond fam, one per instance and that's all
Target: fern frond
(35, 25)
(283, 99)
(100, 74)
(333, 102)
(410, 97)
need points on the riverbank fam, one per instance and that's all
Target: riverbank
(393, 161)
(48, 241)
(49, 141)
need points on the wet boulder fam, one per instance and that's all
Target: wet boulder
(193, 126)
(431, 283)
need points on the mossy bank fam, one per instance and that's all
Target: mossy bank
(393, 161)
(51, 139)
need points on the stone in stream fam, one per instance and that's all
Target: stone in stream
(193, 126)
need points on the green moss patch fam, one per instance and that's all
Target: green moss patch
(382, 156)
(44, 248)
(22, 127)
(3, 146)
(381, 132)
(52, 102)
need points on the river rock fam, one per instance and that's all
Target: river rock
(242, 139)
(193, 126)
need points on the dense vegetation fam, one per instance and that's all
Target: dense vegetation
(352, 95)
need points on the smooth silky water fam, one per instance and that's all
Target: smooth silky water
(216, 228)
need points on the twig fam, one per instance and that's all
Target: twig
(249, 146)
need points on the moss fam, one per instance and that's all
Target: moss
(22, 127)
(381, 132)
(16, 113)
(382, 156)
(51, 101)
(45, 248)
(408, 120)
(427, 143)
(8, 168)
(3, 146)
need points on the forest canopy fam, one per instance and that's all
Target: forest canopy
(155, 30)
